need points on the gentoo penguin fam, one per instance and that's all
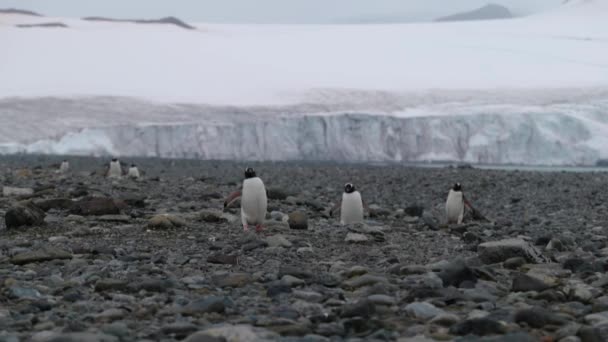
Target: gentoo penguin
(351, 206)
(253, 201)
(133, 171)
(454, 206)
(64, 167)
(114, 171)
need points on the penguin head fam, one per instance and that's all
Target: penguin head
(349, 188)
(65, 160)
(114, 160)
(457, 187)
(133, 165)
(249, 173)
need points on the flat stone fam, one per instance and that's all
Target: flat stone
(237, 333)
(363, 280)
(278, 241)
(114, 218)
(423, 310)
(13, 191)
(45, 253)
(355, 238)
(165, 221)
(232, 279)
(499, 251)
(524, 282)
(205, 305)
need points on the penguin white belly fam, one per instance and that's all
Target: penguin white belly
(454, 207)
(64, 167)
(133, 172)
(351, 210)
(115, 171)
(253, 202)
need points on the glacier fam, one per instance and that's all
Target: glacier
(530, 90)
(548, 134)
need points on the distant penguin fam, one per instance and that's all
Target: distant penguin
(64, 167)
(253, 201)
(115, 170)
(454, 206)
(133, 172)
(351, 206)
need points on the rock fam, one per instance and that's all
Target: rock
(499, 251)
(205, 305)
(83, 337)
(423, 310)
(223, 259)
(523, 283)
(232, 279)
(236, 333)
(292, 281)
(25, 214)
(23, 293)
(96, 206)
(363, 280)
(11, 191)
(298, 220)
(45, 253)
(55, 203)
(478, 326)
(135, 201)
(165, 221)
(514, 263)
(355, 238)
(445, 319)
(274, 193)
(455, 273)
(278, 241)
(414, 211)
(110, 284)
(114, 218)
(213, 216)
(538, 317)
(179, 329)
(362, 308)
(590, 334)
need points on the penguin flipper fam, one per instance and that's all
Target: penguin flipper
(335, 208)
(232, 198)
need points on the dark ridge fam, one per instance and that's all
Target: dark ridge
(602, 163)
(18, 11)
(54, 24)
(165, 20)
(487, 12)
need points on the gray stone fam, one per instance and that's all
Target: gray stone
(423, 310)
(499, 251)
(298, 220)
(355, 238)
(45, 253)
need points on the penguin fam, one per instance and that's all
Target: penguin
(351, 206)
(64, 167)
(115, 170)
(254, 201)
(454, 206)
(133, 172)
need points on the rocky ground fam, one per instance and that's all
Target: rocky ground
(85, 258)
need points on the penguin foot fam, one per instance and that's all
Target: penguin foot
(245, 227)
(258, 228)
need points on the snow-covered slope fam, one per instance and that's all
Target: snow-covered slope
(526, 90)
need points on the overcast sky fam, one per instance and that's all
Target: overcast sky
(273, 11)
